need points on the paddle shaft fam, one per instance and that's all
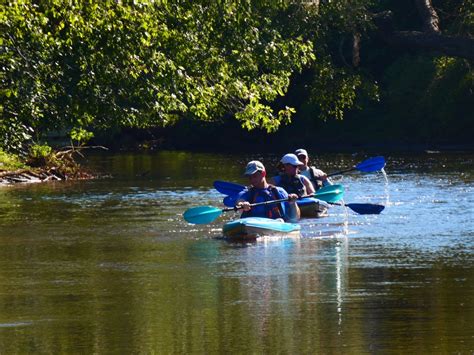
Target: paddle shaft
(367, 166)
(258, 204)
(270, 202)
(342, 171)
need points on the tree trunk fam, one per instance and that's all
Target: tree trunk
(356, 50)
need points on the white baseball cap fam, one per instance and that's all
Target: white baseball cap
(254, 166)
(291, 159)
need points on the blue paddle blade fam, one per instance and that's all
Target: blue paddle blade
(228, 188)
(201, 214)
(230, 201)
(331, 193)
(372, 164)
(365, 208)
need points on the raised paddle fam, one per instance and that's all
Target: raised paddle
(367, 166)
(207, 214)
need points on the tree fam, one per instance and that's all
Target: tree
(460, 44)
(85, 66)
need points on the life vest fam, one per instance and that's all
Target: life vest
(274, 210)
(315, 180)
(317, 183)
(292, 185)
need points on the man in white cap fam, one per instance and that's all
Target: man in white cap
(290, 179)
(260, 191)
(317, 177)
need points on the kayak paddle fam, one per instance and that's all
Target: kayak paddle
(207, 214)
(228, 188)
(367, 166)
(363, 208)
(359, 208)
(230, 201)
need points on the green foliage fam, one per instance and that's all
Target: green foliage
(335, 84)
(79, 134)
(334, 91)
(14, 134)
(40, 151)
(10, 161)
(428, 99)
(41, 155)
(83, 65)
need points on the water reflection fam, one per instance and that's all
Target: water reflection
(110, 266)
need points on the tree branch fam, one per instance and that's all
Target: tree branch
(356, 50)
(462, 47)
(428, 15)
(452, 46)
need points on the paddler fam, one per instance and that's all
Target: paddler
(290, 179)
(260, 191)
(317, 177)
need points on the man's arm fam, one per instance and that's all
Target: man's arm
(308, 185)
(292, 211)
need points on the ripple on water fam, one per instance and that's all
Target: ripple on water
(15, 324)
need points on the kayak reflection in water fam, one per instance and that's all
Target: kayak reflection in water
(260, 191)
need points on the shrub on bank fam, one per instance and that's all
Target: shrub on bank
(10, 161)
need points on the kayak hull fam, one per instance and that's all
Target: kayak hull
(251, 228)
(311, 207)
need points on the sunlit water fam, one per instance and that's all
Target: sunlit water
(110, 265)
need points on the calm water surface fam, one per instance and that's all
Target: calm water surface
(109, 266)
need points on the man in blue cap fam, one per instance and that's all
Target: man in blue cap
(260, 191)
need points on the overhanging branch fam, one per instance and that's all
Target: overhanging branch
(428, 15)
(462, 47)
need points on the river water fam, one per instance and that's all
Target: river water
(110, 266)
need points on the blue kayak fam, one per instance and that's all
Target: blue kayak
(311, 207)
(254, 227)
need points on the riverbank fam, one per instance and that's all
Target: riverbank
(28, 176)
(31, 176)
(57, 166)
(16, 172)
